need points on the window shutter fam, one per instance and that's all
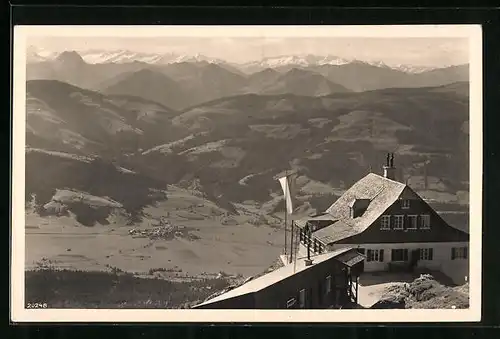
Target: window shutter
(405, 255)
(431, 254)
(453, 253)
(381, 256)
(369, 255)
(465, 253)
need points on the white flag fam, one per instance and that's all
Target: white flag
(288, 186)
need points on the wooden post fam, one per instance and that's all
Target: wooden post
(286, 212)
(357, 290)
(308, 244)
(291, 243)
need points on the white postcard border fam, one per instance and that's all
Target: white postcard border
(20, 314)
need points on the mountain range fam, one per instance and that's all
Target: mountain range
(96, 56)
(232, 148)
(182, 83)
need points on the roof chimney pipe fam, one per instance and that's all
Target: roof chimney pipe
(389, 169)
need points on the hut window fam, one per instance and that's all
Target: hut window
(405, 204)
(412, 222)
(385, 222)
(425, 222)
(426, 254)
(399, 222)
(458, 253)
(375, 255)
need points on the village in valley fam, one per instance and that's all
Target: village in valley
(171, 179)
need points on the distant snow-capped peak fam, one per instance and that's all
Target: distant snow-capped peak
(197, 58)
(125, 56)
(99, 56)
(298, 60)
(314, 60)
(122, 56)
(414, 69)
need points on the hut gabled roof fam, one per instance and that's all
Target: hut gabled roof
(381, 193)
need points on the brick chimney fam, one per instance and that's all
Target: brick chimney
(389, 169)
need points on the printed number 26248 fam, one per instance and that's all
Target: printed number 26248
(36, 305)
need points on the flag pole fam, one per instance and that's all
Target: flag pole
(292, 224)
(286, 212)
(291, 220)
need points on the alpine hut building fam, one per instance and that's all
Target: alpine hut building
(392, 225)
(321, 281)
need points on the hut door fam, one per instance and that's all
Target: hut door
(415, 256)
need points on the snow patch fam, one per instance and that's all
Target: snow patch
(68, 196)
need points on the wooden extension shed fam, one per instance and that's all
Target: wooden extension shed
(325, 281)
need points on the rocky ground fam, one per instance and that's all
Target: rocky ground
(424, 292)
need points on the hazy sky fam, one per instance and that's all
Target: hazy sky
(416, 51)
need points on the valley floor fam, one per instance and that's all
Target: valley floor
(233, 249)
